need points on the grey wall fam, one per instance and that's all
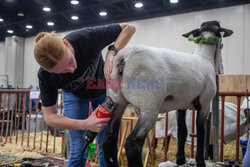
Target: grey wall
(2, 58)
(166, 32)
(14, 60)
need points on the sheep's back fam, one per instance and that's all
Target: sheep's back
(171, 72)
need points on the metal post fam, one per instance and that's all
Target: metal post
(23, 115)
(3, 117)
(222, 127)
(166, 138)
(248, 127)
(8, 119)
(192, 138)
(30, 108)
(11, 120)
(238, 128)
(216, 123)
(34, 143)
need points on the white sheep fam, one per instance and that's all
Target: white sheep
(156, 80)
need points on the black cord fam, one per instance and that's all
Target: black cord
(84, 149)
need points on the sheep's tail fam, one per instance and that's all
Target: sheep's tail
(120, 66)
(117, 74)
(120, 60)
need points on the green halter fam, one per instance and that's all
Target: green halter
(213, 40)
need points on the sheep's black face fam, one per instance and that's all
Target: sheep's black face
(210, 23)
(211, 26)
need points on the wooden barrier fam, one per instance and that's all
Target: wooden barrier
(16, 115)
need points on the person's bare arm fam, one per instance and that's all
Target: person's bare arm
(126, 34)
(121, 41)
(93, 123)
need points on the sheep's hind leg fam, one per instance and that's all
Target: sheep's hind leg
(135, 140)
(109, 144)
(200, 120)
(182, 135)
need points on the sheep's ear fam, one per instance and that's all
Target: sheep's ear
(227, 32)
(195, 33)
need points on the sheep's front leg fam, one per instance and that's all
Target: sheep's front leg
(182, 135)
(200, 121)
(135, 140)
(109, 144)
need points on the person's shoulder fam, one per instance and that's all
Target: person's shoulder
(86, 31)
(77, 34)
(107, 26)
(43, 74)
(44, 77)
(48, 81)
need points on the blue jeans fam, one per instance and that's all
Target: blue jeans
(246, 160)
(78, 108)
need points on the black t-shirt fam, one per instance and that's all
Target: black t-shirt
(88, 44)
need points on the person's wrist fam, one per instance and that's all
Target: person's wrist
(112, 48)
(112, 53)
(83, 124)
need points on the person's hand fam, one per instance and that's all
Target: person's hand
(108, 64)
(95, 124)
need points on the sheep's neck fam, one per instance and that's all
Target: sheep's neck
(207, 51)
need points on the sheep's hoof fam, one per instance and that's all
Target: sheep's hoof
(180, 160)
(200, 164)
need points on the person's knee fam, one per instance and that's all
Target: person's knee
(76, 152)
(76, 146)
(75, 157)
